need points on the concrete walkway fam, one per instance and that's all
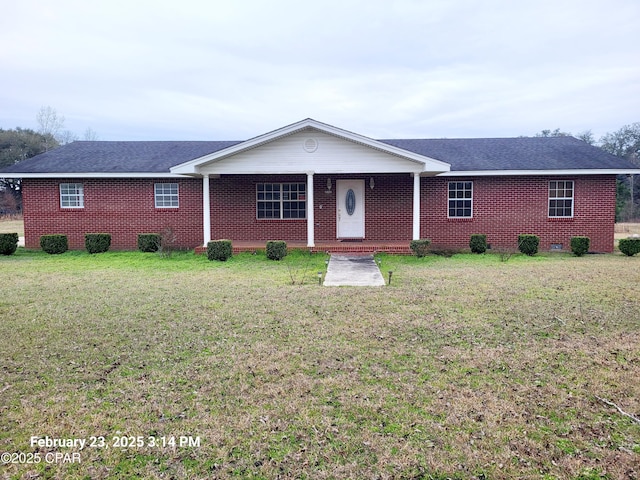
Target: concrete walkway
(353, 270)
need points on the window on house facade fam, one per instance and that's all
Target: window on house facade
(71, 195)
(460, 199)
(561, 198)
(166, 195)
(281, 200)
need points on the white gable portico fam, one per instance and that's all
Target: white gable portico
(310, 147)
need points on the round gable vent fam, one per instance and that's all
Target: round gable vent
(310, 145)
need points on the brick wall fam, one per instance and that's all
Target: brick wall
(388, 206)
(233, 210)
(122, 207)
(503, 207)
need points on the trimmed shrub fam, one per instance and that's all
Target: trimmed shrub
(420, 248)
(580, 245)
(629, 246)
(8, 243)
(528, 244)
(97, 242)
(276, 249)
(54, 244)
(220, 250)
(478, 243)
(148, 242)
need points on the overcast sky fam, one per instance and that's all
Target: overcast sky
(231, 70)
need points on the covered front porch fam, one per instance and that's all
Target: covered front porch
(318, 186)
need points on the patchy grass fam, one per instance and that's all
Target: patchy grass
(465, 367)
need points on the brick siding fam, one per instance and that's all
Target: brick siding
(388, 206)
(503, 207)
(122, 207)
(233, 210)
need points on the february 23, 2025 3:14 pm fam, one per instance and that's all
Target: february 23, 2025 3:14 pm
(116, 441)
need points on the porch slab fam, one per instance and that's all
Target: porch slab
(353, 271)
(363, 247)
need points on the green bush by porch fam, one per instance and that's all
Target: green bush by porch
(220, 250)
(276, 249)
(420, 248)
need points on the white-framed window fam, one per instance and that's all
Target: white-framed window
(71, 195)
(561, 198)
(281, 200)
(460, 200)
(166, 195)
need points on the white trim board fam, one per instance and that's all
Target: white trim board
(502, 173)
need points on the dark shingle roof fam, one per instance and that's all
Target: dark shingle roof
(471, 154)
(523, 153)
(116, 157)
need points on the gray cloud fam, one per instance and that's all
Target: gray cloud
(235, 69)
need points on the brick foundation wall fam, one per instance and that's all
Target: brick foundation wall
(504, 207)
(122, 207)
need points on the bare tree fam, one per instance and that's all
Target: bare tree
(50, 124)
(90, 134)
(66, 136)
(552, 133)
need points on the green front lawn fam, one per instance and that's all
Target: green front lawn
(464, 367)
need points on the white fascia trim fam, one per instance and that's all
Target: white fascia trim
(192, 165)
(91, 175)
(503, 173)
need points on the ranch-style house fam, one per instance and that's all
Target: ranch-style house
(324, 188)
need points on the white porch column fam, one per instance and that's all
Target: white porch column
(310, 214)
(206, 210)
(416, 206)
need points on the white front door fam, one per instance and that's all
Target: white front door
(350, 208)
